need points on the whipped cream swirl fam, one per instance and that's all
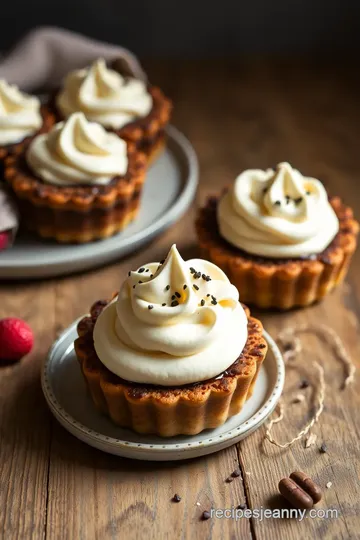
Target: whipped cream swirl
(277, 214)
(172, 323)
(77, 152)
(19, 114)
(104, 96)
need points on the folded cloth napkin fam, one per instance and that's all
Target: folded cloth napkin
(43, 57)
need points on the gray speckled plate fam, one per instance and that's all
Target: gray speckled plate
(169, 190)
(67, 397)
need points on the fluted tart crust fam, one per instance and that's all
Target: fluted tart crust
(280, 283)
(80, 213)
(170, 411)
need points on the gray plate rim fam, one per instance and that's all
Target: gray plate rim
(78, 263)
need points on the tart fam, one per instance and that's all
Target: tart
(278, 236)
(77, 183)
(171, 358)
(21, 118)
(135, 111)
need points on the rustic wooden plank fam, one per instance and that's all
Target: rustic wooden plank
(93, 495)
(261, 127)
(238, 114)
(310, 140)
(25, 423)
(338, 428)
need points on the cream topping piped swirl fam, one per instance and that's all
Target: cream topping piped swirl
(77, 152)
(172, 323)
(104, 96)
(19, 114)
(277, 214)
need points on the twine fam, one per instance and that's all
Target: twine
(293, 346)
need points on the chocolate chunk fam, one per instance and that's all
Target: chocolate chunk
(323, 448)
(205, 515)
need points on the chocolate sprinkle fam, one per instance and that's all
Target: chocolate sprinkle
(202, 302)
(185, 287)
(277, 203)
(141, 270)
(176, 498)
(177, 294)
(150, 306)
(214, 302)
(147, 270)
(164, 304)
(205, 515)
(173, 297)
(192, 270)
(134, 286)
(196, 287)
(129, 273)
(167, 287)
(298, 200)
(304, 383)
(308, 193)
(208, 295)
(140, 282)
(174, 303)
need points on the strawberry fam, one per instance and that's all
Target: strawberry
(4, 240)
(16, 339)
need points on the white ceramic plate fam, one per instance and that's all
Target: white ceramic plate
(67, 397)
(169, 190)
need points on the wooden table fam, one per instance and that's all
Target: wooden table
(238, 115)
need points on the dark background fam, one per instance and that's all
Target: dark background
(193, 27)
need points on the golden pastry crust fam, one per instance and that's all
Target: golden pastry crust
(170, 411)
(280, 283)
(78, 213)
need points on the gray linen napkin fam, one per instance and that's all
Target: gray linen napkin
(45, 55)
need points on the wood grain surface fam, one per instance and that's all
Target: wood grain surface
(237, 114)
